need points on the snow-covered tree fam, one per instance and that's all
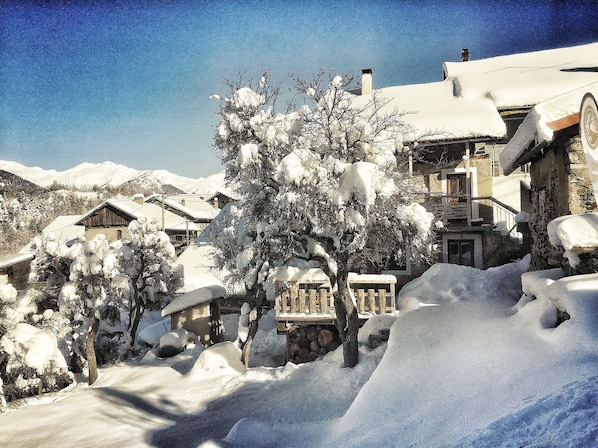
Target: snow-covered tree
(95, 283)
(247, 261)
(148, 259)
(52, 262)
(326, 183)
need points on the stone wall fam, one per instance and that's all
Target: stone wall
(560, 185)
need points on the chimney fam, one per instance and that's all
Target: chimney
(366, 81)
(465, 55)
(138, 198)
(215, 201)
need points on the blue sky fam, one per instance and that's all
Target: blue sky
(129, 81)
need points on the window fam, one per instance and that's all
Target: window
(456, 187)
(461, 252)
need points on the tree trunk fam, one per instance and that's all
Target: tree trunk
(135, 324)
(135, 314)
(90, 350)
(347, 320)
(259, 297)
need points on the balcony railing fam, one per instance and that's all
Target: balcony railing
(485, 209)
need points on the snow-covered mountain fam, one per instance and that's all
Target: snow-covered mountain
(110, 174)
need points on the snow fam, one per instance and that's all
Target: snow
(199, 265)
(472, 362)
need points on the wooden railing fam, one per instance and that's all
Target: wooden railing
(318, 303)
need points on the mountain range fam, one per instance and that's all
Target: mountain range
(108, 174)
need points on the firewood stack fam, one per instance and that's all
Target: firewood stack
(307, 343)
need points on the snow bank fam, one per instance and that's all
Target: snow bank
(220, 359)
(469, 347)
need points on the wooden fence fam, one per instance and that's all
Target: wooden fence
(307, 304)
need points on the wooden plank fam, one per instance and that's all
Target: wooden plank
(293, 298)
(324, 300)
(382, 298)
(372, 300)
(360, 301)
(312, 301)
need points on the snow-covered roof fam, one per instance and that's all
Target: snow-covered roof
(190, 205)
(467, 104)
(525, 79)
(213, 185)
(12, 259)
(433, 109)
(135, 210)
(64, 228)
(540, 124)
(193, 298)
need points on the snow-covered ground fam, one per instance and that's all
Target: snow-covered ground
(471, 362)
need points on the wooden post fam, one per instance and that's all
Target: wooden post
(312, 301)
(302, 301)
(382, 299)
(324, 300)
(361, 301)
(293, 297)
(372, 300)
(468, 183)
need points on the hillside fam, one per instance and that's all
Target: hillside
(31, 198)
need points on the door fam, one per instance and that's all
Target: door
(461, 252)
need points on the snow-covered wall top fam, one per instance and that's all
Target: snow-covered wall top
(525, 79)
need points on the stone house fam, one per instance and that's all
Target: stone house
(461, 125)
(549, 141)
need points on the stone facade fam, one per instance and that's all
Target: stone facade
(560, 185)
